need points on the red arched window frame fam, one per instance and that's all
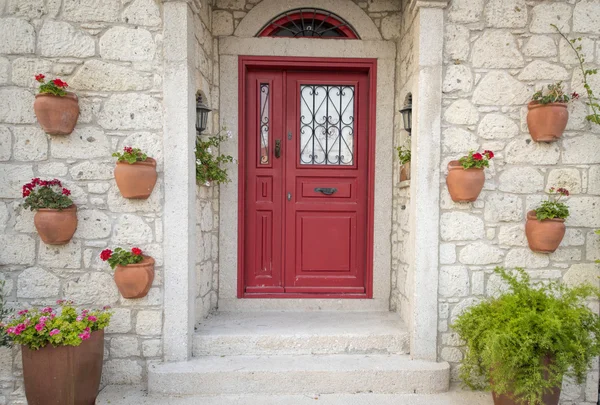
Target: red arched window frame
(309, 23)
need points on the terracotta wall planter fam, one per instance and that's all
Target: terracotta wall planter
(464, 185)
(547, 122)
(56, 227)
(544, 236)
(405, 171)
(56, 115)
(135, 280)
(65, 375)
(136, 180)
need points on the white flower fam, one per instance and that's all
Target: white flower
(229, 135)
(207, 184)
(198, 162)
(209, 150)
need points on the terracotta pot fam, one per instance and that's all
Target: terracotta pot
(549, 398)
(547, 122)
(136, 180)
(64, 375)
(56, 227)
(464, 185)
(56, 115)
(405, 171)
(544, 236)
(135, 280)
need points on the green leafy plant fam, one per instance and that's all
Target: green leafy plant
(552, 207)
(507, 337)
(208, 166)
(5, 340)
(554, 94)
(46, 194)
(593, 101)
(403, 154)
(37, 328)
(598, 233)
(55, 87)
(476, 160)
(130, 155)
(121, 257)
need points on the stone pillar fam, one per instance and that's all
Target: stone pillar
(179, 179)
(425, 182)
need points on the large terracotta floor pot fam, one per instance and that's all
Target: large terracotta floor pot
(544, 236)
(65, 375)
(547, 122)
(464, 185)
(136, 180)
(135, 280)
(56, 115)
(56, 227)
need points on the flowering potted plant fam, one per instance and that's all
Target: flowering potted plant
(56, 216)
(134, 272)
(545, 227)
(404, 157)
(62, 352)
(465, 176)
(135, 173)
(548, 115)
(522, 343)
(56, 109)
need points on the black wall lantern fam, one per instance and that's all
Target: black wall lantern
(407, 113)
(202, 111)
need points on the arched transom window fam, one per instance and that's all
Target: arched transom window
(308, 22)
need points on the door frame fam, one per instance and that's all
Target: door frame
(368, 65)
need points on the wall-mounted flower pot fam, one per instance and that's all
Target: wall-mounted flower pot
(464, 185)
(547, 122)
(544, 236)
(135, 280)
(64, 375)
(405, 171)
(57, 115)
(56, 227)
(136, 180)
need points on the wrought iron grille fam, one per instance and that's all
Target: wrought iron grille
(326, 125)
(264, 123)
(309, 22)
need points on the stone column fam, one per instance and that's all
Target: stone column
(425, 182)
(179, 177)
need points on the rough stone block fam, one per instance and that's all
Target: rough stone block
(451, 354)
(456, 42)
(15, 105)
(524, 180)
(17, 249)
(594, 180)
(25, 69)
(586, 18)
(541, 46)
(58, 38)
(152, 348)
(542, 70)
(148, 323)
(93, 288)
(124, 346)
(91, 10)
(18, 36)
(501, 207)
(4, 67)
(524, 150)
(127, 44)
(454, 281)
(461, 226)
(497, 126)
(14, 176)
(545, 14)
(496, 49)
(83, 143)
(92, 171)
(31, 144)
(142, 12)
(506, 13)
(462, 112)
(121, 371)
(512, 235)
(64, 256)
(98, 75)
(524, 257)
(466, 11)
(582, 150)
(131, 111)
(480, 253)
(585, 211)
(569, 178)
(92, 224)
(447, 253)
(391, 26)
(500, 88)
(222, 23)
(5, 144)
(120, 322)
(132, 230)
(457, 78)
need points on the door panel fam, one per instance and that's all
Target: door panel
(306, 206)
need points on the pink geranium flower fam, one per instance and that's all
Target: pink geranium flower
(54, 332)
(39, 327)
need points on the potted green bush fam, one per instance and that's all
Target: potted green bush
(522, 343)
(404, 157)
(62, 352)
(545, 227)
(547, 115)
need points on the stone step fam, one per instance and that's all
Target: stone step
(298, 374)
(132, 395)
(281, 333)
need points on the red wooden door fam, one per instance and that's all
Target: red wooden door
(306, 194)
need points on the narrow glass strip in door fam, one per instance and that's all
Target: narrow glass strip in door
(264, 123)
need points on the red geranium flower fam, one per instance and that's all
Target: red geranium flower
(128, 149)
(563, 191)
(575, 95)
(39, 77)
(105, 254)
(66, 192)
(489, 154)
(136, 251)
(26, 192)
(477, 156)
(59, 83)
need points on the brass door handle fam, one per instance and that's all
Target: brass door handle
(277, 148)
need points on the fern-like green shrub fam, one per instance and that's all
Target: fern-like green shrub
(507, 337)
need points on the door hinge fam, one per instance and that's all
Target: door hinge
(289, 196)
(289, 135)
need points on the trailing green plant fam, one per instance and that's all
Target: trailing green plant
(121, 257)
(130, 155)
(593, 101)
(55, 87)
(37, 328)
(403, 154)
(46, 194)
(208, 166)
(598, 233)
(507, 337)
(5, 340)
(554, 94)
(553, 207)
(476, 160)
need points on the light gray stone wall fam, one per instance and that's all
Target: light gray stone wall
(110, 53)
(497, 53)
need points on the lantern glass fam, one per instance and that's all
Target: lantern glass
(407, 114)
(201, 114)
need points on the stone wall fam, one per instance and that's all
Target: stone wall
(110, 53)
(497, 53)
